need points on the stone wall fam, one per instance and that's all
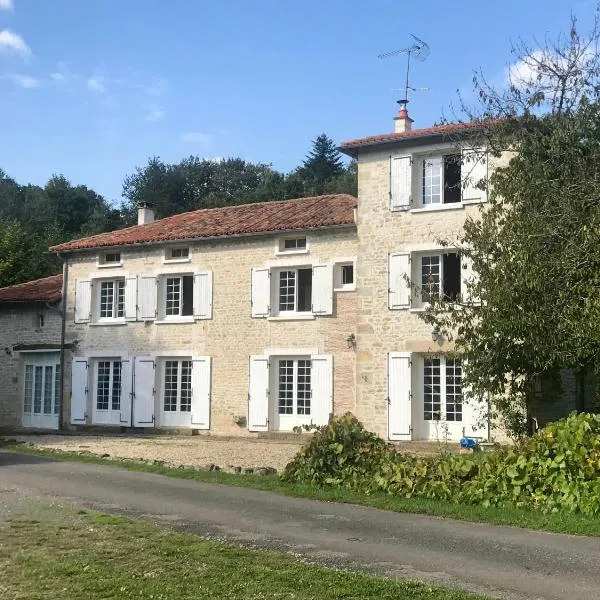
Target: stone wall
(20, 324)
(232, 335)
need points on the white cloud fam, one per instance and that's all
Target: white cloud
(154, 113)
(6, 5)
(57, 76)
(96, 84)
(13, 42)
(24, 81)
(197, 137)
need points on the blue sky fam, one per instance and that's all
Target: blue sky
(91, 89)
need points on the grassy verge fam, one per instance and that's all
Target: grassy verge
(63, 555)
(564, 522)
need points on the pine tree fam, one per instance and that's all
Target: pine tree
(322, 165)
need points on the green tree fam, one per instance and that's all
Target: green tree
(536, 244)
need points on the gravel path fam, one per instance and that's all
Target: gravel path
(193, 451)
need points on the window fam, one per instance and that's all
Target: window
(110, 258)
(295, 290)
(108, 385)
(343, 276)
(440, 275)
(177, 391)
(441, 180)
(41, 389)
(295, 244)
(442, 389)
(177, 254)
(112, 299)
(294, 387)
(179, 296)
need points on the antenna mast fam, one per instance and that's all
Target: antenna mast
(420, 50)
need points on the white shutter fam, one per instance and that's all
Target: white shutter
(258, 394)
(399, 291)
(79, 391)
(147, 298)
(143, 392)
(400, 182)
(83, 301)
(201, 392)
(321, 376)
(203, 295)
(468, 279)
(474, 412)
(131, 298)
(399, 396)
(474, 170)
(322, 290)
(126, 391)
(261, 292)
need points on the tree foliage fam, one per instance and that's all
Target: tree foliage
(535, 245)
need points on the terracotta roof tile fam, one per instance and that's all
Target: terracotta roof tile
(263, 217)
(372, 140)
(48, 289)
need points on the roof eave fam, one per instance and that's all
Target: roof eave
(202, 239)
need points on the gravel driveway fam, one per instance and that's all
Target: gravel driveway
(193, 451)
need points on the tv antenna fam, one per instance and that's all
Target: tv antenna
(420, 50)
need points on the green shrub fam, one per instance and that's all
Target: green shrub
(556, 469)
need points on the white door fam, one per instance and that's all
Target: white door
(175, 392)
(291, 382)
(106, 391)
(440, 398)
(143, 392)
(41, 383)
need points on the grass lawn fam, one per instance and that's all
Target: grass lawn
(563, 522)
(63, 555)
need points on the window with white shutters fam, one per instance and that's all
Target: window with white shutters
(111, 299)
(442, 389)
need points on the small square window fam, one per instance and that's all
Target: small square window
(178, 253)
(347, 274)
(343, 276)
(111, 258)
(292, 244)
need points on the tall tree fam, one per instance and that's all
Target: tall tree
(536, 245)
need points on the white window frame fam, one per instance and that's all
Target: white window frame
(30, 390)
(169, 259)
(421, 162)
(98, 283)
(163, 300)
(111, 384)
(276, 291)
(102, 261)
(416, 264)
(282, 250)
(179, 366)
(444, 363)
(338, 284)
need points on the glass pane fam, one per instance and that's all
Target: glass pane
(304, 387)
(431, 389)
(287, 290)
(430, 277)
(454, 395)
(286, 387)
(347, 274)
(37, 390)
(48, 389)
(170, 391)
(432, 180)
(120, 298)
(186, 386)
(103, 385)
(28, 389)
(173, 296)
(187, 308)
(106, 299)
(56, 388)
(116, 386)
(304, 290)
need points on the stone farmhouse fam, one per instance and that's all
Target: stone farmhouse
(265, 317)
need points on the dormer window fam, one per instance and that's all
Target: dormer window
(110, 259)
(179, 254)
(293, 244)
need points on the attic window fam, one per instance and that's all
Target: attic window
(177, 253)
(110, 258)
(295, 244)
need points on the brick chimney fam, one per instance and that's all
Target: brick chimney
(402, 122)
(145, 213)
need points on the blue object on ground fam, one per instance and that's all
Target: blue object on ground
(468, 443)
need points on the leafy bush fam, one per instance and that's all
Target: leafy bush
(556, 469)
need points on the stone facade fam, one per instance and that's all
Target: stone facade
(232, 335)
(23, 326)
